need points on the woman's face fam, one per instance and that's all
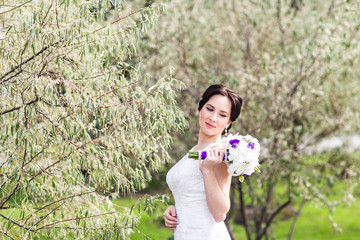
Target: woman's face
(215, 115)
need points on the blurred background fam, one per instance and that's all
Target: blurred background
(99, 101)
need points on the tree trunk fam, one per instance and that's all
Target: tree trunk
(291, 232)
(243, 214)
(231, 213)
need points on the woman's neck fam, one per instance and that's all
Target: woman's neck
(205, 140)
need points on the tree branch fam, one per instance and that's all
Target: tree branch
(263, 211)
(33, 157)
(77, 146)
(15, 7)
(45, 216)
(281, 28)
(6, 198)
(16, 223)
(2, 80)
(73, 219)
(44, 170)
(272, 216)
(119, 19)
(63, 199)
(7, 235)
(291, 232)
(17, 108)
(9, 207)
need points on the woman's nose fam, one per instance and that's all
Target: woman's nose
(213, 117)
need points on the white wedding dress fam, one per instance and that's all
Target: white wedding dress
(195, 220)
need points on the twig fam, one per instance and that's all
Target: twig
(281, 28)
(15, 7)
(44, 170)
(291, 232)
(45, 216)
(6, 198)
(19, 66)
(16, 223)
(101, 95)
(63, 199)
(47, 13)
(3, 163)
(75, 228)
(42, 150)
(119, 19)
(77, 146)
(73, 219)
(7, 235)
(23, 63)
(9, 207)
(17, 108)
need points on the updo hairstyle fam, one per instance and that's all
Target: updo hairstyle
(236, 100)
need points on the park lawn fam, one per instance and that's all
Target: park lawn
(151, 226)
(313, 224)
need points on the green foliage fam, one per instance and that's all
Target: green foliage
(294, 64)
(80, 122)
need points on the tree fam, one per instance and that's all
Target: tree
(293, 62)
(80, 122)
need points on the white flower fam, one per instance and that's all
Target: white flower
(243, 154)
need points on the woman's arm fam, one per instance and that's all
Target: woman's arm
(217, 183)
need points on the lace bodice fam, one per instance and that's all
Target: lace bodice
(195, 220)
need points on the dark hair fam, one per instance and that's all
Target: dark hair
(236, 100)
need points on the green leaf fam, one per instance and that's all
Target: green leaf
(241, 178)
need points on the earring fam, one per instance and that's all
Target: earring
(226, 131)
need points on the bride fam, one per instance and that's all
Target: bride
(201, 187)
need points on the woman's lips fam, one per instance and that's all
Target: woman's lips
(209, 125)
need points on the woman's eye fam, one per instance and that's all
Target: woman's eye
(222, 115)
(209, 109)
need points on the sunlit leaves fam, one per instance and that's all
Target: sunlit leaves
(79, 121)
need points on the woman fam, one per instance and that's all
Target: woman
(201, 187)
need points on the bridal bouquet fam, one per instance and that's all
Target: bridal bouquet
(241, 155)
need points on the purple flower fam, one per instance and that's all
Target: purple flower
(251, 145)
(203, 155)
(234, 143)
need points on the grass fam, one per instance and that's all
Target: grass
(150, 226)
(313, 224)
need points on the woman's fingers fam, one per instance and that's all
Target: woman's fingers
(170, 218)
(173, 211)
(221, 155)
(171, 223)
(214, 154)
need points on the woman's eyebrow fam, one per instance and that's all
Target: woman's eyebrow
(214, 107)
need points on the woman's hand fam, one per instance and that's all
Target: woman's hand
(214, 157)
(170, 218)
